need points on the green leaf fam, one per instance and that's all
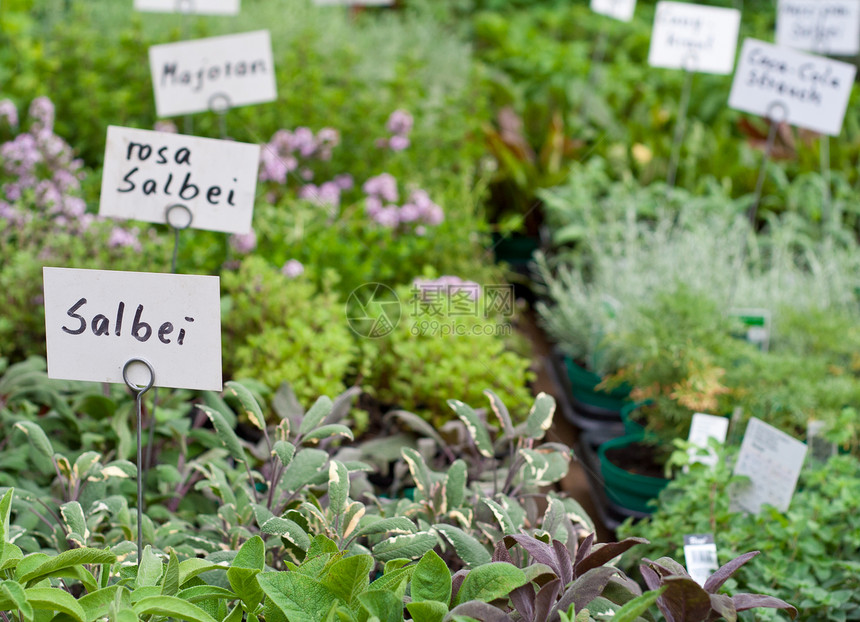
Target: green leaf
(249, 405)
(352, 515)
(502, 516)
(190, 568)
(97, 604)
(55, 599)
(338, 486)
(468, 548)
(431, 579)
(315, 415)
(301, 598)
(67, 559)
(288, 529)
(76, 523)
(5, 511)
(305, 466)
(633, 609)
(285, 403)
(383, 605)
(539, 418)
(10, 555)
(285, 451)
(399, 525)
(490, 581)
(455, 484)
(199, 593)
(410, 546)
(418, 469)
(170, 584)
(150, 569)
(475, 426)
(242, 574)
(328, 431)
(322, 545)
(173, 607)
(395, 581)
(501, 412)
(418, 424)
(225, 433)
(38, 439)
(427, 610)
(350, 576)
(14, 592)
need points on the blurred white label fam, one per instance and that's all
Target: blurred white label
(786, 85)
(354, 2)
(212, 74)
(198, 7)
(820, 26)
(619, 9)
(772, 460)
(97, 320)
(702, 429)
(694, 37)
(145, 172)
(700, 555)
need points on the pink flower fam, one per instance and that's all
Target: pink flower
(274, 167)
(450, 285)
(388, 216)
(304, 142)
(42, 113)
(344, 182)
(434, 216)
(329, 194)
(383, 186)
(293, 268)
(409, 213)
(166, 126)
(309, 192)
(398, 143)
(244, 243)
(400, 123)
(329, 137)
(372, 205)
(123, 238)
(9, 112)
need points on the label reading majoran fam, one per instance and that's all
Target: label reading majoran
(212, 73)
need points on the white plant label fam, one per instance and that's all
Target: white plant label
(694, 37)
(821, 26)
(146, 171)
(354, 2)
(700, 556)
(772, 460)
(786, 85)
(198, 7)
(97, 320)
(619, 9)
(702, 429)
(212, 74)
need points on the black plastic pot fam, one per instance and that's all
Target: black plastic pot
(611, 514)
(584, 407)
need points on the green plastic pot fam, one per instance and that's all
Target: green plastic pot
(515, 249)
(631, 427)
(583, 384)
(629, 490)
